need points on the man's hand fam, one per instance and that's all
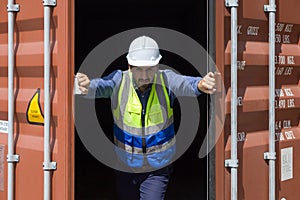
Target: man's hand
(208, 83)
(83, 82)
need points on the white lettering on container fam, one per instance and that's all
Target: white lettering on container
(280, 103)
(277, 125)
(289, 135)
(241, 65)
(239, 29)
(283, 28)
(287, 124)
(291, 103)
(288, 71)
(252, 30)
(290, 60)
(277, 38)
(280, 60)
(279, 136)
(241, 136)
(279, 27)
(288, 28)
(283, 124)
(286, 39)
(279, 93)
(288, 92)
(284, 60)
(240, 101)
(285, 103)
(279, 71)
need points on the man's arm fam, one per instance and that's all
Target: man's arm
(99, 87)
(182, 85)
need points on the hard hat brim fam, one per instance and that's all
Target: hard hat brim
(143, 63)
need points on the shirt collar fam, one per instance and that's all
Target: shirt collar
(137, 88)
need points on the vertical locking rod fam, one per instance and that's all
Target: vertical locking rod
(12, 158)
(271, 155)
(48, 166)
(233, 162)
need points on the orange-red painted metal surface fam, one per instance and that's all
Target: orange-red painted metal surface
(253, 99)
(253, 139)
(28, 77)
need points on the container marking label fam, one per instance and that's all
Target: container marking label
(284, 92)
(287, 123)
(283, 33)
(285, 60)
(239, 30)
(253, 30)
(34, 113)
(241, 136)
(284, 71)
(286, 163)
(284, 103)
(3, 126)
(2, 147)
(289, 135)
(279, 136)
(279, 27)
(241, 65)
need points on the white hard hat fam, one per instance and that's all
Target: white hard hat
(143, 51)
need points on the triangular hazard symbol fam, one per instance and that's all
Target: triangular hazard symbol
(34, 113)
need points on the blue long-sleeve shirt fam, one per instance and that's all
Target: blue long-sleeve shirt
(178, 85)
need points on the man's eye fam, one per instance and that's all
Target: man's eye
(150, 70)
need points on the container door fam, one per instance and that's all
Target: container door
(253, 99)
(28, 81)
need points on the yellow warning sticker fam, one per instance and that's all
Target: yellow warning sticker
(34, 113)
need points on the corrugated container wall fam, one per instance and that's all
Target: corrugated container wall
(28, 78)
(253, 99)
(252, 110)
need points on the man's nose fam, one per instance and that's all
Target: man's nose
(144, 74)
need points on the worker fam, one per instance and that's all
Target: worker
(142, 106)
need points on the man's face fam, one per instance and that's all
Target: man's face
(143, 76)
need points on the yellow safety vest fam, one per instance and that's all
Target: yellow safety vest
(151, 145)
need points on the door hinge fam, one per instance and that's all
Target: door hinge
(270, 156)
(231, 163)
(270, 8)
(13, 7)
(231, 3)
(48, 166)
(49, 2)
(13, 158)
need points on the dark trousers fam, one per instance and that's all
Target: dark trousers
(143, 186)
